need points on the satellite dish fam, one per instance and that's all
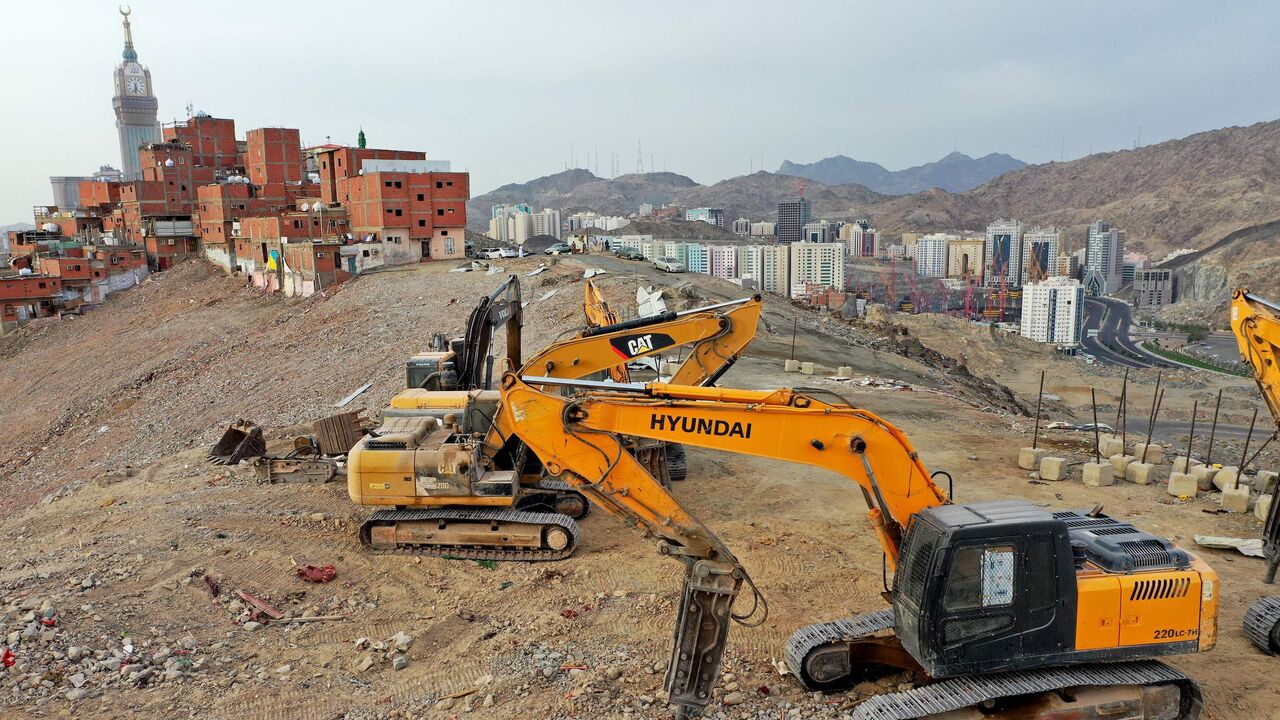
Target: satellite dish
(305, 207)
(168, 163)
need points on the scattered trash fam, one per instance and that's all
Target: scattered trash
(536, 271)
(546, 295)
(261, 604)
(214, 589)
(494, 270)
(7, 658)
(1251, 547)
(763, 690)
(568, 613)
(593, 272)
(506, 584)
(314, 574)
(346, 400)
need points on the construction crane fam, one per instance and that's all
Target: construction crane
(1002, 609)
(1255, 322)
(425, 460)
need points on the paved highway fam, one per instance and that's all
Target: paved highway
(1098, 316)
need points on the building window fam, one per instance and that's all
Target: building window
(387, 183)
(449, 246)
(439, 211)
(398, 212)
(398, 184)
(450, 211)
(41, 286)
(366, 253)
(422, 223)
(449, 183)
(439, 184)
(421, 197)
(444, 232)
(388, 211)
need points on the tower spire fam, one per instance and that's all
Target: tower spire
(129, 53)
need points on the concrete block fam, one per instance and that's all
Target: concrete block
(791, 366)
(1227, 477)
(1262, 481)
(1235, 499)
(1029, 458)
(1111, 446)
(1140, 473)
(844, 371)
(1183, 485)
(1099, 474)
(1152, 454)
(806, 368)
(1053, 468)
(1182, 462)
(1120, 463)
(1203, 475)
(1262, 507)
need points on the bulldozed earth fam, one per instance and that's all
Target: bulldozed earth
(132, 569)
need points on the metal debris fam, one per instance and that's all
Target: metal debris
(347, 400)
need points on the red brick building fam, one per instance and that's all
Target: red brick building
(274, 155)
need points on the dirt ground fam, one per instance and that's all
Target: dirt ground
(112, 519)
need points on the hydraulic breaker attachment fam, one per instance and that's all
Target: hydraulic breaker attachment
(702, 627)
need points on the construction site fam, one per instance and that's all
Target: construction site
(205, 516)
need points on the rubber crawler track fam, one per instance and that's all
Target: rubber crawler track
(475, 515)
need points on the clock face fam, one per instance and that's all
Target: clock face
(135, 85)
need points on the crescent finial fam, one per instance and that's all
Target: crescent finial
(125, 10)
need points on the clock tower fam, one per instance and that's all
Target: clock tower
(135, 106)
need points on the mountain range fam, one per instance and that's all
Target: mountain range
(956, 172)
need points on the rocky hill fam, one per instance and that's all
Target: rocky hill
(956, 172)
(757, 195)
(577, 190)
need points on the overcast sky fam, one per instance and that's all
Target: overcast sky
(711, 89)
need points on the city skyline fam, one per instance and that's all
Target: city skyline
(1060, 82)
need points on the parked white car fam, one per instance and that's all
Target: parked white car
(508, 252)
(489, 253)
(668, 264)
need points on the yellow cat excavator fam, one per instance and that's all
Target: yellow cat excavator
(1256, 324)
(1001, 609)
(428, 460)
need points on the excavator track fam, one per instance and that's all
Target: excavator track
(480, 519)
(1262, 624)
(954, 694)
(564, 492)
(986, 691)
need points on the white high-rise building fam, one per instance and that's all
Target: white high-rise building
(1103, 258)
(818, 231)
(1003, 253)
(1040, 253)
(1053, 311)
(723, 261)
(931, 254)
(768, 266)
(547, 222)
(820, 263)
(501, 227)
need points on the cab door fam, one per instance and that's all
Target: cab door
(977, 610)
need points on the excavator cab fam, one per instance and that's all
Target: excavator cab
(994, 586)
(985, 587)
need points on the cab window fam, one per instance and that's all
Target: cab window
(981, 577)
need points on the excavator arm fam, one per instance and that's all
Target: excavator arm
(1256, 324)
(718, 334)
(579, 438)
(599, 314)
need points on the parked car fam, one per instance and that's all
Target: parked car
(559, 249)
(508, 252)
(628, 254)
(489, 253)
(668, 264)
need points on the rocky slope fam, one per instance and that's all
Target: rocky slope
(757, 195)
(956, 172)
(578, 189)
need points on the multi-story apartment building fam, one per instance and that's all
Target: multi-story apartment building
(1104, 258)
(711, 216)
(817, 231)
(1040, 253)
(1053, 311)
(547, 222)
(723, 261)
(793, 215)
(819, 263)
(1002, 261)
(742, 227)
(1152, 288)
(931, 254)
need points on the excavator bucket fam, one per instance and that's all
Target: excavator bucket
(243, 439)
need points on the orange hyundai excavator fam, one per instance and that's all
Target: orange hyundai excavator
(1001, 609)
(424, 463)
